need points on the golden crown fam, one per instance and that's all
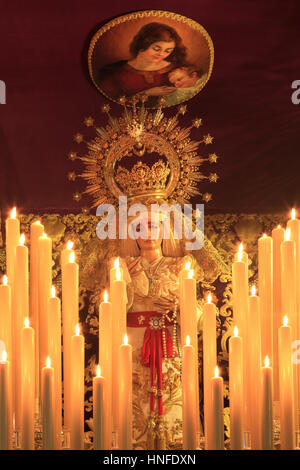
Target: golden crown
(141, 133)
(144, 179)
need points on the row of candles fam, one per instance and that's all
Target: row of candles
(269, 327)
(31, 364)
(112, 394)
(268, 324)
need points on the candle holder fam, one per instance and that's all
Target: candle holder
(247, 440)
(297, 440)
(38, 430)
(16, 441)
(200, 441)
(115, 440)
(276, 433)
(66, 439)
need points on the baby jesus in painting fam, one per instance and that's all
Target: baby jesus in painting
(187, 81)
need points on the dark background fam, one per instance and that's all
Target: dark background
(246, 104)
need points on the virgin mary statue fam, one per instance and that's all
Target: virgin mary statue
(151, 261)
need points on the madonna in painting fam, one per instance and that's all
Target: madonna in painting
(155, 51)
(158, 60)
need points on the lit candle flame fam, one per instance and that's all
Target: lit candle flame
(44, 235)
(77, 329)
(190, 274)
(72, 257)
(236, 331)
(187, 266)
(209, 298)
(22, 239)
(13, 213)
(26, 322)
(264, 235)
(105, 296)
(118, 274)
(38, 222)
(53, 291)
(287, 234)
(240, 252)
(267, 361)
(279, 226)
(125, 339)
(188, 341)
(253, 291)
(4, 356)
(217, 371)
(293, 214)
(117, 263)
(285, 320)
(48, 362)
(98, 371)
(70, 245)
(5, 280)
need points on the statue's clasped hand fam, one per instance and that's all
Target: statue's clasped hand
(134, 268)
(165, 304)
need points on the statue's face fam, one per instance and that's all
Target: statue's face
(153, 230)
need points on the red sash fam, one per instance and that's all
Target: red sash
(152, 351)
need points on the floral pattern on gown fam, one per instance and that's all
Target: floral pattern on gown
(154, 280)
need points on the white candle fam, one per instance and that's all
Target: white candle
(289, 298)
(45, 283)
(287, 427)
(278, 237)
(266, 412)
(294, 225)
(125, 395)
(240, 293)
(217, 411)
(36, 231)
(5, 404)
(12, 240)
(254, 363)
(183, 274)
(118, 300)
(99, 411)
(27, 387)
(189, 397)
(77, 391)
(6, 320)
(265, 285)
(54, 321)
(21, 306)
(236, 395)
(188, 323)
(48, 415)
(105, 358)
(70, 307)
(209, 362)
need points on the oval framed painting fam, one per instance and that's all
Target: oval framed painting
(151, 53)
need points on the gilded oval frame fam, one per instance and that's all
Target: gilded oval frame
(195, 27)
